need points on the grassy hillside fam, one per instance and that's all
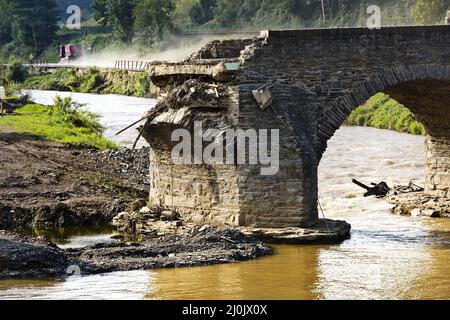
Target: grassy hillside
(95, 81)
(385, 113)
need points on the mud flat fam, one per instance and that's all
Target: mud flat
(25, 257)
(45, 184)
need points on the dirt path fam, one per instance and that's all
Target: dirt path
(46, 184)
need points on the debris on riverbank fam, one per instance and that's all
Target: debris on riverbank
(409, 200)
(24, 257)
(202, 246)
(45, 184)
(28, 257)
(419, 204)
(324, 232)
(148, 223)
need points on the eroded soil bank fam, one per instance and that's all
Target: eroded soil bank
(50, 185)
(45, 184)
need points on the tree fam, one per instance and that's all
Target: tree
(153, 19)
(35, 23)
(6, 20)
(427, 11)
(119, 14)
(203, 11)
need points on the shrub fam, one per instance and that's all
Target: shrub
(15, 72)
(65, 122)
(382, 112)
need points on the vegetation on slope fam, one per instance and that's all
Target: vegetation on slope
(64, 122)
(94, 81)
(385, 113)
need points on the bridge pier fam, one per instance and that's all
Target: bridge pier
(317, 78)
(437, 181)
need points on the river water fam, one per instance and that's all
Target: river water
(117, 112)
(387, 257)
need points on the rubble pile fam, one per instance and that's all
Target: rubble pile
(193, 93)
(196, 94)
(419, 204)
(221, 49)
(134, 163)
(149, 222)
(30, 258)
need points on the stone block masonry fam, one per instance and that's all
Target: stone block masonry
(317, 78)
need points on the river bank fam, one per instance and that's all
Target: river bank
(27, 257)
(49, 184)
(52, 185)
(380, 111)
(388, 256)
(94, 80)
(383, 112)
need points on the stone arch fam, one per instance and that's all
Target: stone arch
(404, 83)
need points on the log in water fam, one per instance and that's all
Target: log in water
(388, 256)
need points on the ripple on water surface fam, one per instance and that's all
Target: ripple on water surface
(388, 256)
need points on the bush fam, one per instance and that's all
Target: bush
(73, 113)
(15, 72)
(142, 84)
(382, 112)
(64, 122)
(93, 82)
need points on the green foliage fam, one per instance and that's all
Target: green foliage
(15, 72)
(73, 113)
(428, 11)
(6, 19)
(153, 19)
(181, 14)
(385, 113)
(35, 23)
(203, 11)
(64, 122)
(142, 84)
(117, 14)
(94, 81)
(14, 89)
(61, 80)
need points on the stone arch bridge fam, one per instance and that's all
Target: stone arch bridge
(316, 78)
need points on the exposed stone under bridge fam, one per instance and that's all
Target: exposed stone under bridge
(316, 79)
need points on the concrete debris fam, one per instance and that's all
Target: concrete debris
(419, 204)
(147, 221)
(196, 94)
(191, 94)
(221, 49)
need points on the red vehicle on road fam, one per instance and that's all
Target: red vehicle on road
(70, 52)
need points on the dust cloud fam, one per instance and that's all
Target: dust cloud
(174, 49)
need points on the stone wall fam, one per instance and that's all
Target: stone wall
(323, 75)
(317, 78)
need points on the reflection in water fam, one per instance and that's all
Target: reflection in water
(290, 274)
(75, 237)
(387, 257)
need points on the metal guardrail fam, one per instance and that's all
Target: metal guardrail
(131, 65)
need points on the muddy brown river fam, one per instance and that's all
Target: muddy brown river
(387, 257)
